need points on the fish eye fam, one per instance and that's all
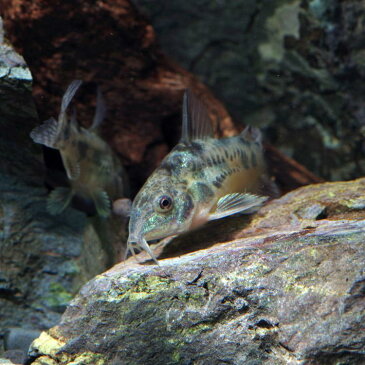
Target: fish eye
(164, 203)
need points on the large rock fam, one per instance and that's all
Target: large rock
(289, 289)
(295, 68)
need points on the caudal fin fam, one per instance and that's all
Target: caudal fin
(252, 134)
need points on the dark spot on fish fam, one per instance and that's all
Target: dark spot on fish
(204, 191)
(219, 159)
(82, 148)
(181, 147)
(188, 206)
(238, 152)
(217, 184)
(222, 177)
(244, 159)
(219, 180)
(209, 162)
(197, 147)
(226, 154)
(243, 140)
(167, 165)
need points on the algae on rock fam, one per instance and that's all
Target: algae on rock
(288, 290)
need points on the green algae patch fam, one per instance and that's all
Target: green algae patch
(58, 296)
(146, 286)
(176, 356)
(196, 329)
(88, 358)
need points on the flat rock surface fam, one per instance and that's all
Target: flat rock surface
(289, 289)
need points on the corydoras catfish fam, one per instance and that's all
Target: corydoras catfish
(201, 179)
(92, 168)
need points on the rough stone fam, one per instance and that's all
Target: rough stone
(288, 289)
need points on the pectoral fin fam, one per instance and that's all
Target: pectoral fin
(46, 133)
(237, 203)
(102, 203)
(58, 200)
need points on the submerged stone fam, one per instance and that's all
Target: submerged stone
(289, 289)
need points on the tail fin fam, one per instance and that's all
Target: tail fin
(252, 134)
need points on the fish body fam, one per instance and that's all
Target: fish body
(92, 168)
(201, 179)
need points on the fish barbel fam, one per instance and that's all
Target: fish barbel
(201, 179)
(92, 168)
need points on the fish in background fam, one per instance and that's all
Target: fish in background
(93, 170)
(201, 179)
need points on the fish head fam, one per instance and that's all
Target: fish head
(160, 209)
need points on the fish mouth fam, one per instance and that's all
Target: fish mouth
(139, 242)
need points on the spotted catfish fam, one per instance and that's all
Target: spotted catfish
(201, 179)
(92, 168)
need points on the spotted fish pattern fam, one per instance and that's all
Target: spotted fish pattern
(201, 179)
(93, 170)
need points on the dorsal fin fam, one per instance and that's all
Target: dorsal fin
(100, 110)
(69, 94)
(196, 123)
